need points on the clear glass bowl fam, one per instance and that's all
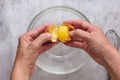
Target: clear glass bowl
(60, 59)
(113, 38)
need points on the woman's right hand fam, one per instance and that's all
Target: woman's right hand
(90, 38)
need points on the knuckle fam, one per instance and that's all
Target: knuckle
(98, 29)
(21, 38)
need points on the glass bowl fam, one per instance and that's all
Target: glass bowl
(113, 38)
(60, 59)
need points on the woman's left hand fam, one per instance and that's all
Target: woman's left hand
(30, 46)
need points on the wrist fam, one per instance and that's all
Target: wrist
(20, 72)
(112, 62)
(110, 55)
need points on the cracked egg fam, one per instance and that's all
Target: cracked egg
(60, 32)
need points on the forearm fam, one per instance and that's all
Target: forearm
(20, 72)
(112, 60)
(18, 75)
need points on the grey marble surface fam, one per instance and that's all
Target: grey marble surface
(15, 16)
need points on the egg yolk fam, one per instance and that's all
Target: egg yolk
(63, 33)
(60, 32)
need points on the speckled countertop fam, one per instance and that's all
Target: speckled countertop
(15, 16)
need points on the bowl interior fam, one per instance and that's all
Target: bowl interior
(60, 59)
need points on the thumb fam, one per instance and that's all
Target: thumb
(78, 33)
(41, 39)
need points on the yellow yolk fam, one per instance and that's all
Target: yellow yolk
(63, 33)
(60, 33)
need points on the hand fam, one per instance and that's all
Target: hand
(90, 38)
(31, 45)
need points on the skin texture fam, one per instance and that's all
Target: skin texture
(85, 36)
(92, 39)
(31, 45)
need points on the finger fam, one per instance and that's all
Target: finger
(78, 33)
(79, 24)
(76, 39)
(41, 39)
(75, 44)
(37, 31)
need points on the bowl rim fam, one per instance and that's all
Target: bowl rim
(35, 19)
(38, 15)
